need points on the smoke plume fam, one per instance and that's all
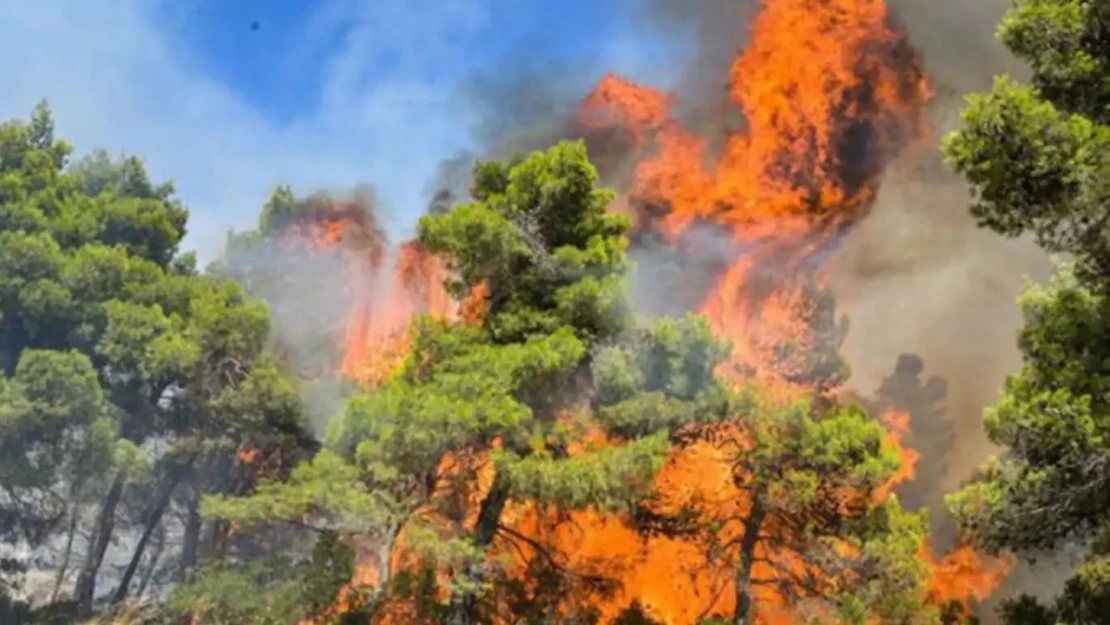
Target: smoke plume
(311, 284)
(919, 276)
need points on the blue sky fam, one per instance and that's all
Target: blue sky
(235, 43)
(323, 94)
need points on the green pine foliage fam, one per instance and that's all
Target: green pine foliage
(111, 341)
(1036, 156)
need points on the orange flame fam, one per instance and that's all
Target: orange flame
(898, 423)
(377, 336)
(964, 574)
(389, 283)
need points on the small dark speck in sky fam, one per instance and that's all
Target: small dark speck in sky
(255, 25)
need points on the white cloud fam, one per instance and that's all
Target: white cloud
(116, 78)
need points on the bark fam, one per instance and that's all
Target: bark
(384, 557)
(159, 549)
(98, 544)
(154, 518)
(75, 516)
(743, 582)
(63, 568)
(218, 539)
(191, 539)
(223, 483)
(463, 609)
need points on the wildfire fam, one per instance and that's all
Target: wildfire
(377, 336)
(829, 93)
(389, 283)
(964, 574)
(898, 423)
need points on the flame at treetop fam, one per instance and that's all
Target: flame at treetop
(377, 336)
(389, 283)
(829, 94)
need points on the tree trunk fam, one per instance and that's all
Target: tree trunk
(63, 568)
(154, 560)
(743, 582)
(384, 556)
(98, 545)
(216, 543)
(154, 517)
(463, 608)
(221, 471)
(75, 516)
(191, 539)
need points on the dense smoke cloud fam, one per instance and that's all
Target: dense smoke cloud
(956, 40)
(919, 276)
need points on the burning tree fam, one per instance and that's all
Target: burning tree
(785, 504)
(484, 415)
(311, 259)
(801, 171)
(801, 519)
(469, 467)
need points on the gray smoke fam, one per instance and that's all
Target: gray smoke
(918, 275)
(956, 40)
(312, 291)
